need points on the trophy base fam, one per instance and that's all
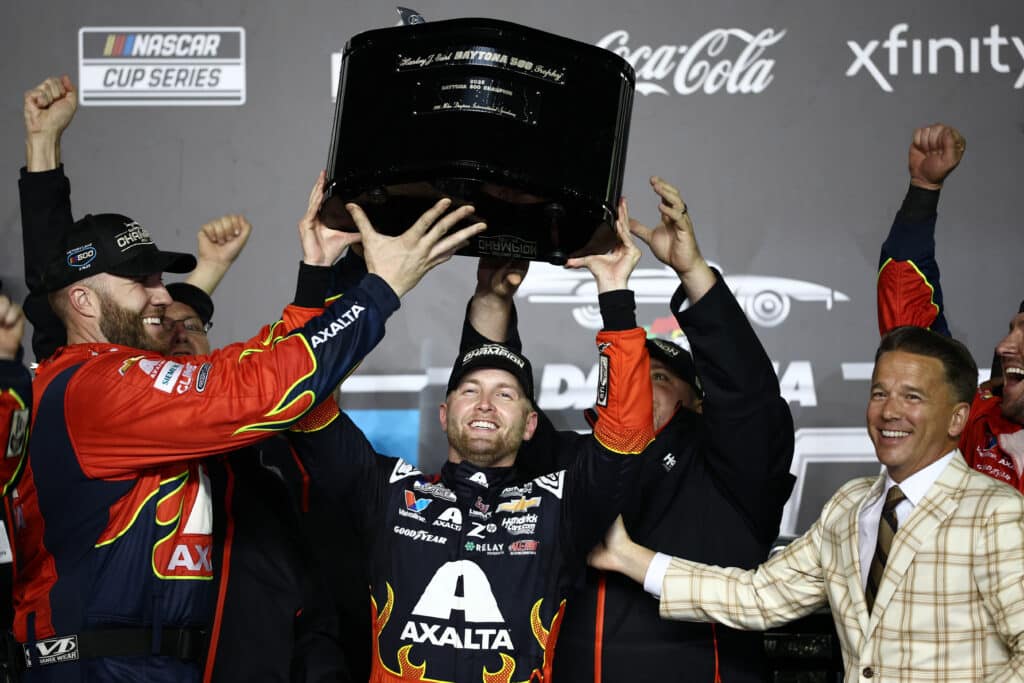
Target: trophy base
(520, 224)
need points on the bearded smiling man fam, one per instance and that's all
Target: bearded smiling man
(114, 554)
(470, 570)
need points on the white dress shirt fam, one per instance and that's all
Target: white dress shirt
(914, 488)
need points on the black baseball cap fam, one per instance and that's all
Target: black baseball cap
(492, 355)
(678, 360)
(111, 243)
(193, 297)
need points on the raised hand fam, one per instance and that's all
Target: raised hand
(673, 241)
(12, 327)
(497, 280)
(934, 152)
(612, 269)
(220, 242)
(222, 239)
(500, 277)
(321, 246)
(48, 110)
(618, 553)
(403, 260)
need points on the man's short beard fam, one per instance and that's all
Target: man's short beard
(121, 326)
(460, 441)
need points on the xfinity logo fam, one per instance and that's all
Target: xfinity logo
(937, 55)
(729, 59)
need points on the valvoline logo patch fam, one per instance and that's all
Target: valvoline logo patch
(414, 504)
(82, 257)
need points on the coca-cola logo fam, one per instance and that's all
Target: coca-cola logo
(728, 59)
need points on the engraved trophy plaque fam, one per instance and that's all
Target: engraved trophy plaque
(528, 127)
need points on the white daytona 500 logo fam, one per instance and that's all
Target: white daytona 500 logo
(723, 58)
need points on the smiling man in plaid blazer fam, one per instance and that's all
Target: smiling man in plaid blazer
(922, 567)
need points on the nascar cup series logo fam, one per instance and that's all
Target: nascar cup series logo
(161, 66)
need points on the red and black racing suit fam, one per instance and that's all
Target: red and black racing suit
(269, 592)
(909, 293)
(15, 404)
(113, 507)
(470, 570)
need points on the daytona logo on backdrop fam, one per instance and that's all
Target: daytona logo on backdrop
(917, 56)
(728, 59)
(152, 66)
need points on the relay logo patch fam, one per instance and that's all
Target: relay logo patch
(161, 66)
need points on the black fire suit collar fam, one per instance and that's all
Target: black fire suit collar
(469, 481)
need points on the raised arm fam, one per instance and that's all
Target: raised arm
(491, 313)
(742, 403)
(909, 292)
(235, 395)
(599, 481)
(45, 197)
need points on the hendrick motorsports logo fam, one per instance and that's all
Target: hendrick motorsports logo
(765, 300)
(161, 66)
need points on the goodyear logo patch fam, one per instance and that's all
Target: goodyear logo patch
(161, 66)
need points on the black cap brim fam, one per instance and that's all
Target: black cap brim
(150, 262)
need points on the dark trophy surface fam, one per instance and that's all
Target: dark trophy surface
(528, 127)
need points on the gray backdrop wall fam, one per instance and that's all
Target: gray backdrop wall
(793, 168)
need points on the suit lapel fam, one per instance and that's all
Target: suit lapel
(855, 587)
(938, 504)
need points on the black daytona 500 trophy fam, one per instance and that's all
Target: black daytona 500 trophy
(529, 127)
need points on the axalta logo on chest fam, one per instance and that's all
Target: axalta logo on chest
(476, 603)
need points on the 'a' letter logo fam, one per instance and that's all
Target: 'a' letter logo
(477, 602)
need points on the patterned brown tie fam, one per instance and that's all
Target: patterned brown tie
(887, 526)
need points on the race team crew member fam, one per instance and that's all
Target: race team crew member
(265, 597)
(112, 565)
(268, 584)
(15, 394)
(15, 403)
(470, 569)
(711, 486)
(909, 293)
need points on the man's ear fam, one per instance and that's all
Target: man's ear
(83, 300)
(444, 417)
(531, 425)
(958, 420)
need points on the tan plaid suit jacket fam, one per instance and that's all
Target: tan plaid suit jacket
(950, 606)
